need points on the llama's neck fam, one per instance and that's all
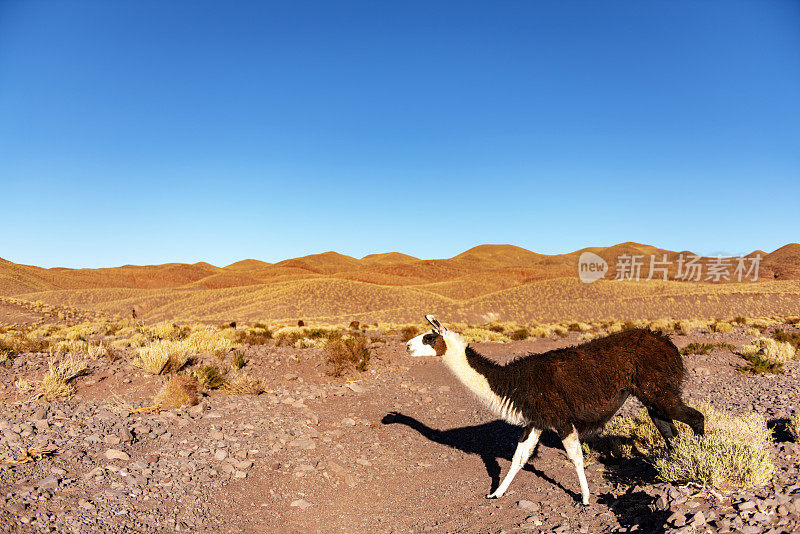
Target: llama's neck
(477, 373)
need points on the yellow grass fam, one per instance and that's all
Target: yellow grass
(56, 383)
(771, 350)
(733, 451)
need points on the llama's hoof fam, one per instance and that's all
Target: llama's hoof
(493, 495)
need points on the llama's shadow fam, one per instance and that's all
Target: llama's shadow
(780, 430)
(490, 441)
(498, 439)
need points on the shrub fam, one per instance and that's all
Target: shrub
(56, 384)
(479, 335)
(256, 335)
(242, 384)
(238, 360)
(180, 390)
(163, 356)
(723, 328)
(757, 364)
(208, 376)
(209, 340)
(291, 335)
(519, 334)
(733, 450)
(753, 331)
(347, 353)
(777, 352)
(793, 338)
(409, 332)
(697, 348)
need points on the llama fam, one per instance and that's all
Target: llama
(573, 391)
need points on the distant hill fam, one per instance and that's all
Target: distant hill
(503, 279)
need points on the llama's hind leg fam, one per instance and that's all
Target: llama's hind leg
(530, 436)
(572, 445)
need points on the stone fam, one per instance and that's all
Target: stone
(699, 519)
(529, 506)
(678, 519)
(125, 435)
(355, 387)
(220, 454)
(49, 482)
(746, 505)
(300, 503)
(116, 454)
(303, 443)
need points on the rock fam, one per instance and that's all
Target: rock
(116, 454)
(698, 520)
(239, 474)
(303, 443)
(50, 482)
(300, 503)
(220, 454)
(86, 505)
(348, 421)
(336, 468)
(112, 440)
(364, 462)
(661, 503)
(355, 387)
(529, 506)
(746, 505)
(244, 464)
(678, 519)
(125, 435)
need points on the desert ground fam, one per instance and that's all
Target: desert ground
(211, 411)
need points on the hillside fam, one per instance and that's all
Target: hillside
(502, 281)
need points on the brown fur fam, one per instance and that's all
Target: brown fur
(584, 386)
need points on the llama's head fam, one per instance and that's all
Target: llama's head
(435, 342)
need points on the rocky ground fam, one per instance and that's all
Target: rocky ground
(399, 448)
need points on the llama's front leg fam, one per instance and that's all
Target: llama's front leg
(527, 443)
(573, 447)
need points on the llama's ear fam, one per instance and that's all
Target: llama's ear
(437, 326)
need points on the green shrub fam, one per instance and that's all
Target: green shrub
(208, 376)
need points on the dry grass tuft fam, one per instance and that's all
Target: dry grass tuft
(239, 383)
(409, 332)
(723, 328)
(733, 452)
(776, 352)
(208, 376)
(209, 340)
(180, 390)
(56, 383)
(256, 335)
(238, 360)
(163, 356)
(349, 352)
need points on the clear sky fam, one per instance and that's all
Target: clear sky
(155, 131)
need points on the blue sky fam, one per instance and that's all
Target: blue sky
(150, 131)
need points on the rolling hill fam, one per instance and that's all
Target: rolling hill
(505, 281)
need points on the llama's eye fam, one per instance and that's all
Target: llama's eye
(428, 339)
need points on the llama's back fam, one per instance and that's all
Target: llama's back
(586, 384)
